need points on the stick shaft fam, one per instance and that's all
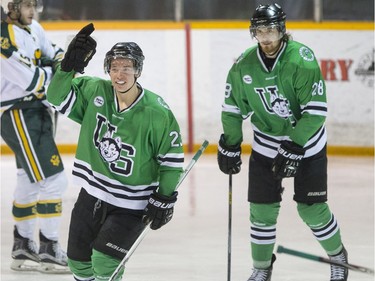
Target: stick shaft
(192, 163)
(281, 249)
(147, 228)
(229, 228)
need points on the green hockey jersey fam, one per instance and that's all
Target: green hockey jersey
(287, 102)
(122, 156)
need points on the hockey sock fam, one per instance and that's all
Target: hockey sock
(25, 217)
(263, 218)
(83, 279)
(49, 213)
(104, 265)
(24, 205)
(323, 225)
(49, 206)
(82, 270)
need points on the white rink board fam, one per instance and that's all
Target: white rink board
(350, 95)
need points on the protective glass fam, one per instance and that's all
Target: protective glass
(121, 69)
(267, 33)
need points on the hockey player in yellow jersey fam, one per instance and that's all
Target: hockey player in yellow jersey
(28, 61)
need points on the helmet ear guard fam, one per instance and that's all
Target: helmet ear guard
(268, 15)
(126, 50)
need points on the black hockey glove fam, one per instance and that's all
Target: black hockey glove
(287, 161)
(159, 210)
(80, 50)
(229, 157)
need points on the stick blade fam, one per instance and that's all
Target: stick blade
(281, 249)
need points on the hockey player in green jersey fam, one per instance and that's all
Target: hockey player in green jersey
(128, 160)
(279, 86)
(28, 60)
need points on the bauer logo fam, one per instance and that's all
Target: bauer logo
(117, 248)
(321, 193)
(306, 54)
(99, 101)
(247, 79)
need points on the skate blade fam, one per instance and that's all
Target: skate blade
(24, 265)
(51, 268)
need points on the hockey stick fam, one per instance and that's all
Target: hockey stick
(147, 228)
(281, 249)
(229, 227)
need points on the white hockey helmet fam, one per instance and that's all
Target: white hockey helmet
(16, 4)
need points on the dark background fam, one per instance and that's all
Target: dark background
(347, 10)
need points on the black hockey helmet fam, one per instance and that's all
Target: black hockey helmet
(266, 15)
(128, 50)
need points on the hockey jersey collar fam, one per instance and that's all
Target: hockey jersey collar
(276, 59)
(136, 101)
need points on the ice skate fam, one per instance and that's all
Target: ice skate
(24, 253)
(52, 258)
(262, 274)
(339, 273)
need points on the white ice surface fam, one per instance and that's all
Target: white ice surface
(193, 246)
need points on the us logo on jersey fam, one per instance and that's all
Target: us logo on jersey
(274, 102)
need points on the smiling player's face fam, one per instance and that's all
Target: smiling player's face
(122, 74)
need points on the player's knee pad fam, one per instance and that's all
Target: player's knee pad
(264, 214)
(53, 187)
(314, 215)
(50, 202)
(104, 265)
